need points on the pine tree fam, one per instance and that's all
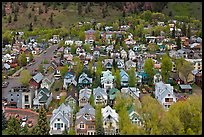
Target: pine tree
(24, 130)
(189, 31)
(13, 126)
(99, 122)
(9, 19)
(30, 27)
(178, 43)
(118, 79)
(42, 127)
(173, 32)
(15, 17)
(184, 29)
(4, 122)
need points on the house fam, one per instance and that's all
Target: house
(112, 95)
(43, 97)
(100, 96)
(198, 79)
(164, 94)
(47, 81)
(107, 79)
(110, 121)
(36, 80)
(109, 48)
(136, 48)
(78, 43)
(134, 117)
(157, 78)
(96, 53)
(89, 36)
(85, 121)
(120, 63)
(57, 74)
(123, 54)
(84, 80)
(68, 57)
(197, 63)
(123, 78)
(71, 101)
(129, 64)
(131, 55)
(132, 91)
(185, 88)
(143, 75)
(61, 119)
(69, 42)
(115, 54)
(20, 97)
(69, 79)
(84, 95)
(79, 50)
(108, 63)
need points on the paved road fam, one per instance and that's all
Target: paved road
(38, 59)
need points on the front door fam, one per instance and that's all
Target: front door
(58, 126)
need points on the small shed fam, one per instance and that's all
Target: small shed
(186, 88)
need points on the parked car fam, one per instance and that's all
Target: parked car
(5, 84)
(18, 74)
(30, 124)
(24, 119)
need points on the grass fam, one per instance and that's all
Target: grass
(192, 9)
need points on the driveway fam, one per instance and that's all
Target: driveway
(13, 82)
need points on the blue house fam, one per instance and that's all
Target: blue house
(144, 76)
(69, 79)
(124, 78)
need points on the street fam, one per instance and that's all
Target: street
(13, 82)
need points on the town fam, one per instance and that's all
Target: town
(134, 76)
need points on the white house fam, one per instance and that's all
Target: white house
(107, 79)
(61, 119)
(110, 121)
(84, 95)
(164, 94)
(69, 42)
(47, 81)
(100, 96)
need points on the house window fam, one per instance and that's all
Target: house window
(58, 119)
(26, 98)
(11, 99)
(61, 124)
(11, 94)
(168, 94)
(17, 95)
(81, 125)
(55, 125)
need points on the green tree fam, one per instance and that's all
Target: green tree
(184, 29)
(24, 130)
(189, 31)
(132, 77)
(99, 69)
(118, 79)
(40, 10)
(35, 18)
(97, 35)
(87, 48)
(149, 67)
(64, 70)
(15, 17)
(65, 132)
(91, 100)
(13, 127)
(82, 35)
(22, 60)
(30, 27)
(42, 127)
(178, 43)
(31, 56)
(166, 67)
(78, 67)
(4, 122)
(99, 121)
(152, 117)
(79, 8)
(71, 131)
(41, 68)
(9, 19)
(25, 77)
(73, 49)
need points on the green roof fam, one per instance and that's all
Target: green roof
(112, 93)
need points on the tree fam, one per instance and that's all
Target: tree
(173, 32)
(35, 18)
(132, 77)
(99, 69)
(149, 67)
(151, 116)
(31, 56)
(118, 79)
(91, 100)
(178, 43)
(13, 127)
(51, 19)
(78, 67)
(64, 70)
(184, 29)
(9, 19)
(40, 10)
(29, 15)
(41, 68)
(81, 35)
(42, 127)
(46, 8)
(4, 122)
(189, 31)
(166, 67)
(3, 11)
(30, 27)
(87, 48)
(71, 131)
(24, 130)
(79, 8)
(73, 49)
(25, 77)
(185, 69)
(15, 17)
(22, 60)
(65, 132)
(99, 122)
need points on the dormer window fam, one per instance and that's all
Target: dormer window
(168, 94)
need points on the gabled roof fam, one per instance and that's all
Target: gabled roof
(84, 76)
(100, 92)
(38, 77)
(108, 111)
(86, 109)
(84, 93)
(112, 93)
(123, 75)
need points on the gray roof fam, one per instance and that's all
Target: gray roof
(83, 77)
(100, 92)
(86, 109)
(185, 87)
(84, 93)
(38, 77)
